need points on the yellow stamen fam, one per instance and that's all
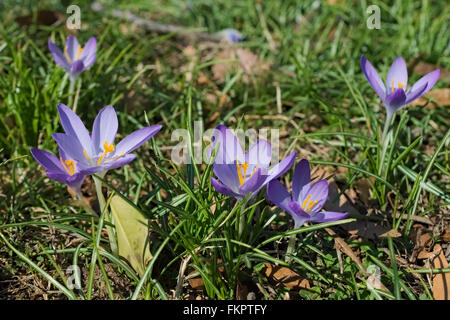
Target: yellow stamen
(311, 205)
(238, 167)
(308, 204)
(400, 85)
(69, 166)
(80, 50)
(85, 154)
(66, 54)
(392, 86)
(304, 202)
(118, 156)
(108, 149)
(241, 175)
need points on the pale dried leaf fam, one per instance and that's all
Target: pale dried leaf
(441, 281)
(440, 96)
(286, 277)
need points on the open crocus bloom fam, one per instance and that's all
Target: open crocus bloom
(239, 174)
(74, 59)
(64, 170)
(395, 95)
(307, 199)
(97, 152)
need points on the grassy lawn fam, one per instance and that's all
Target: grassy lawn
(297, 74)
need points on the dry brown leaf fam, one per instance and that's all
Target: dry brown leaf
(423, 68)
(196, 283)
(446, 235)
(286, 277)
(246, 62)
(392, 233)
(441, 281)
(440, 96)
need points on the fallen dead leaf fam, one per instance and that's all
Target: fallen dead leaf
(441, 281)
(423, 68)
(440, 96)
(446, 235)
(196, 283)
(246, 61)
(285, 277)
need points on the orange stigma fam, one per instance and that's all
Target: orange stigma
(69, 166)
(241, 173)
(108, 149)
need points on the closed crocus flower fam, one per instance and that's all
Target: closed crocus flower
(73, 58)
(240, 174)
(97, 151)
(396, 94)
(307, 198)
(64, 170)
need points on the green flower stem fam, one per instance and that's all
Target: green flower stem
(109, 229)
(291, 247)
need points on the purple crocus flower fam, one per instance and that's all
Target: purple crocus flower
(74, 59)
(396, 94)
(64, 169)
(238, 174)
(307, 199)
(231, 35)
(97, 151)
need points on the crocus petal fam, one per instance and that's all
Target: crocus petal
(301, 178)
(223, 189)
(105, 128)
(397, 74)
(88, 55)
(73, 182)
(299, 216)
(76, 68)
(72, 148)
(259, 155)
(72, 48)
(227, 174)
(281, 167)
(427, 80)
(278, 195)
(326, 216)
(395, 100)
(113, 164)
(136, 139)
(229, 147)
(316, 192)
(373, 77)
(58, 55)
(46, 159)
(73, 126)
(413, 95)
(254, 183)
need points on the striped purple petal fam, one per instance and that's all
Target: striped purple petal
(397, 76)
(135, 139)
(105, 128)
(73, 126)
(373, 77)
